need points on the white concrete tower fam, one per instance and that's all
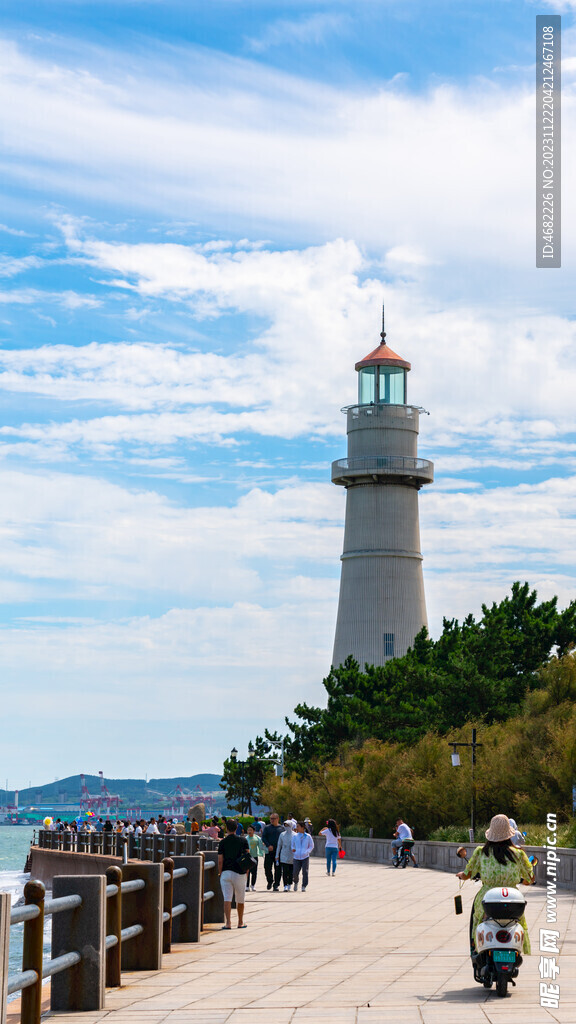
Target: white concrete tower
(382, 605)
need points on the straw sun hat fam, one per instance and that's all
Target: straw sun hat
(499, 829)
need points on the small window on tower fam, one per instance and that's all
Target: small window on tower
(388, 645)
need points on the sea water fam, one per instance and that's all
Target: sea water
(14, 845)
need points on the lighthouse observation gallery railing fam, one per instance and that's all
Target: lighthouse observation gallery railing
(389, 410)
(95, 917)
(383, 466)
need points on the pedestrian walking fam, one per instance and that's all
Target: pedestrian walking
(232, 850)
(270, 836)
(333, 844)
(285, 856)
(302, 846)
(257, 849)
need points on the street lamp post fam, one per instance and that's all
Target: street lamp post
(280, 743)
(242, 765)
(456, 764)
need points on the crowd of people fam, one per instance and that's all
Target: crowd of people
(285, 850)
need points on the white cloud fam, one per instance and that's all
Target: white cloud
(306, 156)
(313, 30)
(93, 539)
(69, 300)
(499, 384)
(11, 266)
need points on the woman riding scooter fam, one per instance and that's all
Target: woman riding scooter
(499, 863)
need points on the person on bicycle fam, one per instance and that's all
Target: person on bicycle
(403, 831)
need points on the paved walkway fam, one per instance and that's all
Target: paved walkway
(372, 945)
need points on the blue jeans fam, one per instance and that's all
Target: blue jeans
(331, 858)
(396, 844)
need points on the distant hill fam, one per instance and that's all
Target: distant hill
(131, 790)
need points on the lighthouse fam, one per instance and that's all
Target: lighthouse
(382, 604)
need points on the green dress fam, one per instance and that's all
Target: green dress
(492, 875)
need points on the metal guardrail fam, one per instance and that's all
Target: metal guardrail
(112, 844)
(162, 903)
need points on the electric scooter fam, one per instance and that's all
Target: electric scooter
(499, 937)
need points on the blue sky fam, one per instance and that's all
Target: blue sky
(202, 209)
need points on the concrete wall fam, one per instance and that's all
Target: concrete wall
(45, 864)
(442, 857)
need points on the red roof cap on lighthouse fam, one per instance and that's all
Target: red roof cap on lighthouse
(383, 355)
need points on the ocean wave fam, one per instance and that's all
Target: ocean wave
(13, 882)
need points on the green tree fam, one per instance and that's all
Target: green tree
(243, 780)
(476, 671)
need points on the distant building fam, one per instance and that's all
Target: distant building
(382, 604)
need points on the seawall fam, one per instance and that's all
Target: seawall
(442, 857)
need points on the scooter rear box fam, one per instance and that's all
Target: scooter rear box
(504, 904)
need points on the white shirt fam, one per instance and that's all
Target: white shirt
(302, 845)
(331, 839)
(404, 831)
(152, 830)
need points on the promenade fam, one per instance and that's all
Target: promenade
(369, 946)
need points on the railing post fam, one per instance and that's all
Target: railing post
(212, 910)
(156, 851)
(31, 1003)
(114, 927)
(187, 927)
(5, 905)
(168, 865)
(81, 930)
(144, 907)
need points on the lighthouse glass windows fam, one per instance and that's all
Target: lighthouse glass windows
(382, 384)
(367, 386)
(392, 385)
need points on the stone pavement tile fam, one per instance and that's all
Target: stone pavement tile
(178, 1016)
(200, 1017)
(346, 1015)
(391, 1015)
(172, 1001)
(127, 1014)
(160, 981)
(282, 1015)
(279, 998)
(453, 1013)
(121, 1000)
(70, 1018)
(566, 1014)
(130, 1016)
(517, 1015)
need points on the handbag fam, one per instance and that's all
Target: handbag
(244, 862)
(341, 854)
